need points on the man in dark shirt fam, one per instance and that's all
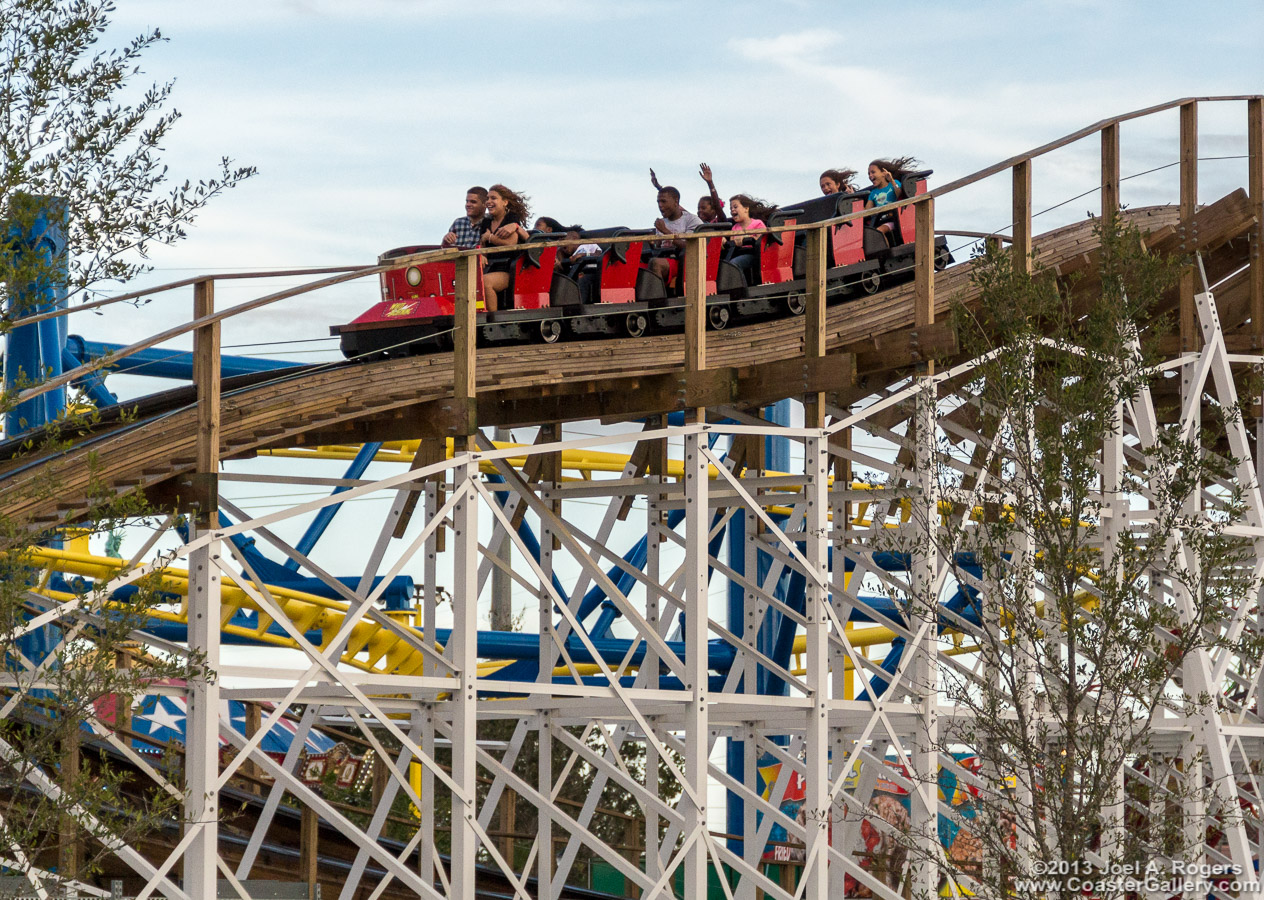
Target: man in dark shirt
(465, 232)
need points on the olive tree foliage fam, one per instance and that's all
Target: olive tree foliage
(82, 134)
(76, 126)
(1081, 628)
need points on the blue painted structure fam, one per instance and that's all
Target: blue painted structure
(160, 362)
(33, 352)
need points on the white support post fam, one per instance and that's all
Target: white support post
(1024, 658)
(1193, 801)
(752, 608)
(840, 532)
(816, 654)
(753, 616)
(1114, 503)
(925, 799)
(426, 854)
(544, 828)
(545, 859)
(429, 622)
(464, 699)
(653, 558)
(695, 717)
(430, 576)
(752, 852)
(202, 724)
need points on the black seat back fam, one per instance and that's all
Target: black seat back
(818, 209)
(908, 184)
(534, 240)
(596, 234)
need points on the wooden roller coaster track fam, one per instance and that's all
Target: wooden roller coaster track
(870, 342)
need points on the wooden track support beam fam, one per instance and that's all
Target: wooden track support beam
(430, 450)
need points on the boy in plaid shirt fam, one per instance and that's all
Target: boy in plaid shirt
(465, 232)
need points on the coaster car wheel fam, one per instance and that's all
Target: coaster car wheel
(636, 324)
(550, 331)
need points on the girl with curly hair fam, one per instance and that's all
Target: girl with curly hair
(506, 213)
(747, 214)
(885, 175)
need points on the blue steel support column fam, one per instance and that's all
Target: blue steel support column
(33, 352)
(777, 449)
(91, 384)
(735, 760)
(326, 514)
(777, 458)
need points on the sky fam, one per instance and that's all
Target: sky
(368, 120)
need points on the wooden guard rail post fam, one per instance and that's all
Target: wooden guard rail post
(924, 267)
(1022, 217)
(814, 321)
(695, 278)
(1190, 338)
(1110, 172)
(464, 351)
(206, 378)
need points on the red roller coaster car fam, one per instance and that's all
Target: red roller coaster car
(615, 293)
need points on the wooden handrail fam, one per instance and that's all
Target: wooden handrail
(452, 254)
(1076, 136)
(977, 235)
(173, 285)
(153, 340)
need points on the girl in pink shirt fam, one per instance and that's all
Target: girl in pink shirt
(744, 252)
(743, 208)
